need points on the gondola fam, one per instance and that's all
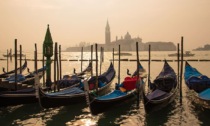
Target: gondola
(24, 96)
(75, 78)
(163, 90)
(27, 78)
(7, 74)
(198, 84)
(124, 92)
(76, 94)
(87, 70)
(21, 96)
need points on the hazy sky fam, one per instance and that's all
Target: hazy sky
(73, 21)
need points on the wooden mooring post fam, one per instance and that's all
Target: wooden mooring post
(7, 60)
(55, 72)
(91, 59)
(60, 63)
(35, 58)
(20, 58)
(58, 71)
(119, 67)
(138, 83)
(178, 67)
(113, 56)
(81, 58)
(149, 60)
(181, 71)
(96, 84)
(101, 58)
(15, 64)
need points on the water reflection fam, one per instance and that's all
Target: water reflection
(201, 113)
(159, 117)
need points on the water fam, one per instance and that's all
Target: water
(185, 114)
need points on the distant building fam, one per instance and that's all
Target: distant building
(127, 43)
(107, 34)
(205, 48)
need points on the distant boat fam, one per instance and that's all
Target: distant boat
(123, 54)
(13, 55)
(186, 54)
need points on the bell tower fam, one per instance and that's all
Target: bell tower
(107, 34)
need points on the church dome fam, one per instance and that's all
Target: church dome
(127, 36)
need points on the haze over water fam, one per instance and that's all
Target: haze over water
(74, 21)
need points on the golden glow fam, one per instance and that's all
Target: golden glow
(73, 21)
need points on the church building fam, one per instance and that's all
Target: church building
(127, 43)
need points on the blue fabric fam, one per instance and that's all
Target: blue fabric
(101, 84)
(205, 94)
(70, 91)
(190, 71)
(81, 85)
(20, 77)
(195, 80)
(114, 94)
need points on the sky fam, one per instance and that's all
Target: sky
(75, 21)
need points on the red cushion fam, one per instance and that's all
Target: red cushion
(91, 86)
(129, 83)
(128, 78)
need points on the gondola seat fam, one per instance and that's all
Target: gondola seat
(157, 94)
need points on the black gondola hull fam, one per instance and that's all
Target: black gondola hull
(47, 101)
(57, 101)
(164, 90)
(99, 106)
(17, 99)
(155, 105)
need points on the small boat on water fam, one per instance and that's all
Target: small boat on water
(163, 90)
(198, 84)
(75, 78)
(13, 55)
(7, 74)
(27, 78)
(76, 94)
(28, 95)
(124, 92)
(186, 54)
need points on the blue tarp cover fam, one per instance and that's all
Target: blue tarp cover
(195, 80)
(68, 81)
(20, 77)
(190, 71)
(74, 90)
(114, 94)
(205, 94)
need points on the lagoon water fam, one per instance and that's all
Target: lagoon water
(186, 114)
